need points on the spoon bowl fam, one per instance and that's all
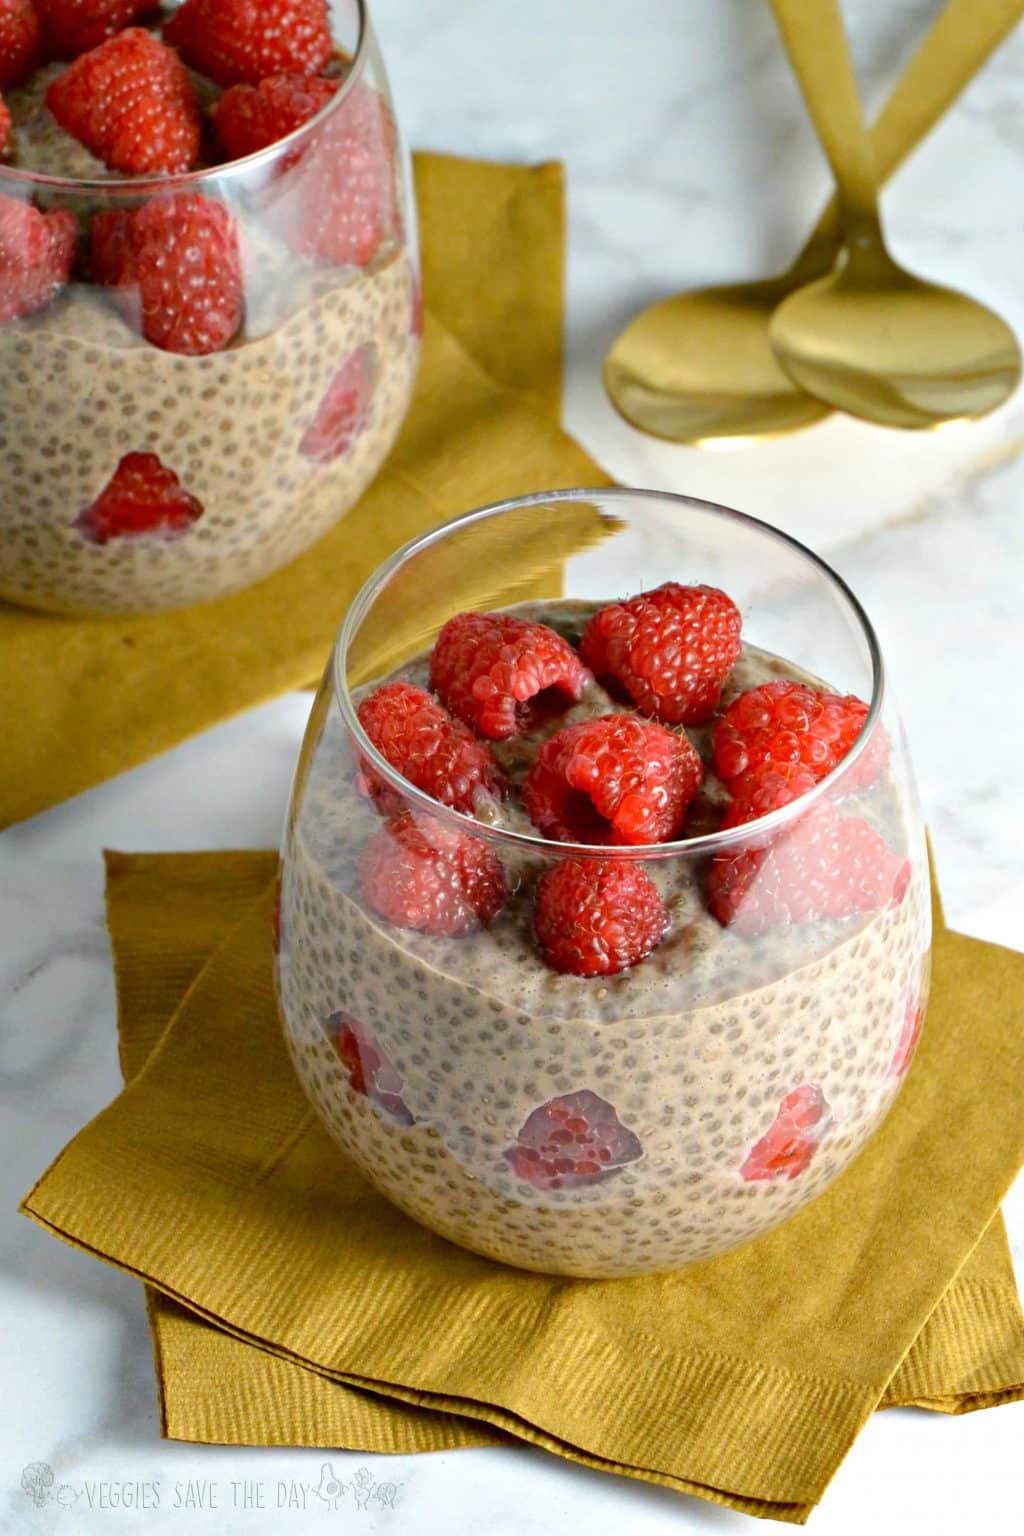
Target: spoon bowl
(700, 366)
(903, 352)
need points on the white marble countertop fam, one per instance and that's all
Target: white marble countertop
(689, 161)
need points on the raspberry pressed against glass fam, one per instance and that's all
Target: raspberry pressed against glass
(597, 917)
(503, 674)
(236, 42)
(669, 650)
(784, 725)
(176, 266)
(370, 1073)
(571, 1142)
(429, 747)
(612, 780)
(37, 252)
(910, 1033)
(131, 103)
(143, 496)
(344, 410)
(341, 203)
(789, 1144)
(421, 874)
(823, 866)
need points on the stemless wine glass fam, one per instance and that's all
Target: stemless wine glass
(143, 466)
(615, 1124)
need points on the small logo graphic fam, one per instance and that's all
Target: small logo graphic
(41, 1486)
(364, 1488)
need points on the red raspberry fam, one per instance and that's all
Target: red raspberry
(370, 1073)
(669, 650)
(504, 675)
(572, 1141)
(74, 26)
(21, 43)
(910, 1033)
(344, 410)
(421, 874)
(596, 917)
(236, 42)
(5, 125)
(249, 117)
(131, 103)
(143, 496)
(792, 1139)
(177, 260)
(760, 791)
(37, 251)
(826, 866)
(781, 725)
(437, 753)
(342, 199)
(612, 780)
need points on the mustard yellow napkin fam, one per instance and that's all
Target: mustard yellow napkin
(744, 1379)
(93, 697)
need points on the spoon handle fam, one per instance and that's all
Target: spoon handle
(964, 35)
(815, 40)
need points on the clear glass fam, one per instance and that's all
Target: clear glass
(273, 435)
(731, 1075)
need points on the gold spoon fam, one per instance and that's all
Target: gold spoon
(871, 338)
(699, 365)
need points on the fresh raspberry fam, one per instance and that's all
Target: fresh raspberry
(131, 103)
(72, 27)
(792, 1139)
(783, 724)
(344, 410)
(178, 265)
(237, 42)
(5, 125)
(21, 42)
(370, 1073)
(669, 650)
(504, 675)
(430, 748)
(421, 874)
(596, 917)
(826, 866)
(572, 1141)
(37, 251)
(342, 200)
(760, 791)
(612, 780)
(249, 117)
(910, 1033)
(143, 496)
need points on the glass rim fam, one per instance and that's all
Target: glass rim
(693, 847)
(128, 186)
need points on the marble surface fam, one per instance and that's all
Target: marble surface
(689, 161)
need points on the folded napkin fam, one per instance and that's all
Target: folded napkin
(93, 697)
(291, 1304)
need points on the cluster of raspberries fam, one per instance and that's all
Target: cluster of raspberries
(626, 779)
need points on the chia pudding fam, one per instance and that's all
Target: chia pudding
(154, 454)
(608, 1124)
